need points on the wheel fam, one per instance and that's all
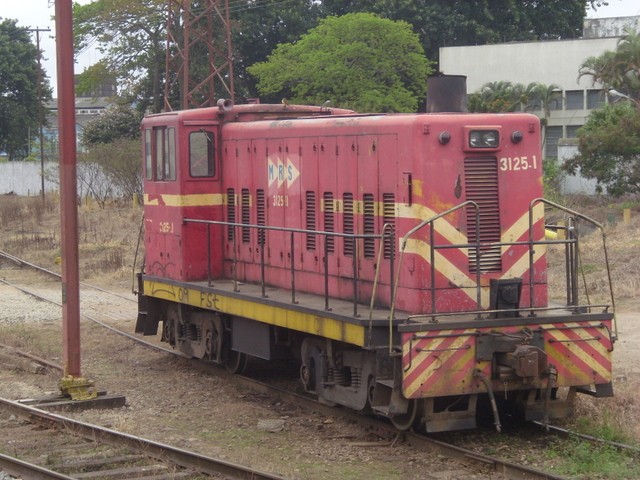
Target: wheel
(307, 377)
(212, 338)
(406, 420)
(170, 325)
(236, 362)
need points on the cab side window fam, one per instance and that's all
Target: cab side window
(148, 155)
(160, 154)
(201, 154)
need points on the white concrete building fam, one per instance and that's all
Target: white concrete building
(548, 62)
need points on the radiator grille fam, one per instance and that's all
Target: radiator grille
(246, 215)
(231, 213)
(261, 213)
(348, 219)
(389, 218)
(329, 220)
(311, 219)
(481, 186)
(369, 219)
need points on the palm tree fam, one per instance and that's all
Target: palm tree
(627, 57)
(545, 96)
(619, 69)
(523, 94)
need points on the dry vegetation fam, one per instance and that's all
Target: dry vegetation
(108, 239)
(107, 236)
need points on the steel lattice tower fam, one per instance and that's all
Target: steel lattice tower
(198, 29)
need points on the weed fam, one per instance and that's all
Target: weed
(575, 458)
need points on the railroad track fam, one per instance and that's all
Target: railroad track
(474, 460)
(46, 445)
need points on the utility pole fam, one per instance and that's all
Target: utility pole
(40, 108)
(206, 30)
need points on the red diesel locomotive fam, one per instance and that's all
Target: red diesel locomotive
(399, 258)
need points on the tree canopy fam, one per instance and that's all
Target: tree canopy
(20, 108)
(357, 61)
(476, 22)
(609, 149)
(119, 121)
(619, 69)
(609, 143)
(131, 35)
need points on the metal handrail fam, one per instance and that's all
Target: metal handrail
(574, 214)
(430, 221)
(386, 232)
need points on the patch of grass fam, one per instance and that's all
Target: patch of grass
(26, 337)
(575, 458)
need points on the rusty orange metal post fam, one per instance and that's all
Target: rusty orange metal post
(68, 189)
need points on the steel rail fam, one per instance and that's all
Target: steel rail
(160, 451)
(590, 438)
(21, 469)
(93, 319)
(510, 470)
(38, 268)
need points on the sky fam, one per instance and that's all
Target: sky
(39, 13)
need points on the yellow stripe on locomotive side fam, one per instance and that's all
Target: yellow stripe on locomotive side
(271, 314)
(193, 200)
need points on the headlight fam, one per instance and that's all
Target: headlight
(484, 139)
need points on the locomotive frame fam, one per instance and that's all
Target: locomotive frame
(413, 295)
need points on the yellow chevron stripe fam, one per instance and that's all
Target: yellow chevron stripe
(193, 200)
(445, 267)
(520, 226)
(443, 357)
(582, 354)
(422, 212)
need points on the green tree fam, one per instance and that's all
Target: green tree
(132, 38)
(111, 162)
(609, 148)
(619, 69)
(119, 121)
(609, 143)
(259, 26)
(476, 22)
(20, 107)
(357, 61)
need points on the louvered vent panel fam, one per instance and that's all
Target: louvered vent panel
(348, 219)
(246, 215)
(389, 218)
(369, 219)
(481, 186)
(262, 214)
(231, 212)
(329, 220)
(311, 220)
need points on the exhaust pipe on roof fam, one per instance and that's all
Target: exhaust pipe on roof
(225, 105)
(447, 93)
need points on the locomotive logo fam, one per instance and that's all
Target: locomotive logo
(281, 171)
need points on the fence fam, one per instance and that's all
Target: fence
(23, 178)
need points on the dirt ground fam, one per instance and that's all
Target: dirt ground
(168, 401)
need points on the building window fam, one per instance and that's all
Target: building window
(574, 100)
(572, 131)
(552, 135)
(595, 99)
